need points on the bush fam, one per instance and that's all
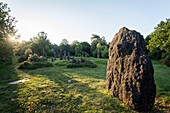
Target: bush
(86, 54)
(28, 52)
(50, 53)
(95, 52)
(61, 63)
(36, 58)
(34, 65)
(42, 58)
(166, 59)
(24, 65)
(81, 63)
(22, 58)
(156, 54)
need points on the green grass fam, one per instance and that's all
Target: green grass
(60, 89)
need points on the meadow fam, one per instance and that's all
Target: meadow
(74, 90)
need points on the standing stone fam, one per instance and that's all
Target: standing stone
(130, 72)
(61, 54)
(64, 55)
(68, 56)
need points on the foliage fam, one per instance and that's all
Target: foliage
(40, 44)
(85, 54)
(51, 53)
(73, 46)
(36, 58)
(104, 52)
(42, 58)
(7, 30)
(156, 54)
(22, 46)
(61, 63)
(86, 48)
(158, 42)
(78, 50)
(64, 42)
(64, 48)
(160, 38)
(55, 49)
(94, 53)
(95, 39)
(98, 50)
(81, 63)
(28, 52)
(34, 65)
(22, 58)
(147, 43)
(166, 59)
(98, 46)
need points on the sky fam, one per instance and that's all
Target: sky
(79, 19)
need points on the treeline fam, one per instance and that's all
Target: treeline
(158, 42)
(42, 46)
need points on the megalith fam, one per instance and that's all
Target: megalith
(129, 71)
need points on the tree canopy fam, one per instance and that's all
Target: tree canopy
(160, 38)
(40, 44)
(7, 31)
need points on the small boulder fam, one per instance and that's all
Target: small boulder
(130, 72)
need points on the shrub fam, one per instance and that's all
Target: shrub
(24, 65)
(42, 58)
(61, 63)
(105, 53)
(36, 58)
(156, 54)
(95, 53)
(86, 54)
(28, 52)
(50, 53)
(22, 58)
(34, 65)
(81, 63)
(166, 59)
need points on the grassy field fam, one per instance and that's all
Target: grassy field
(60, 89)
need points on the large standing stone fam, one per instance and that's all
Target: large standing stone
(130, 71)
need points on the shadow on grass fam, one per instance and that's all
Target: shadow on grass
(8, 93)
(59, 89)
(77, 94)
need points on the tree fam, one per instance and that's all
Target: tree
(156, 53)
(98, 50)
(64, 45)
(160, 38)
(56, 50)
(7, 30)
(78, 50)
(73, 46)
(40, 44)
(94, 37)
(86, 48)
(104, 52)
(95, 40)
(64, 48)
(64, 42)
(22, 46)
